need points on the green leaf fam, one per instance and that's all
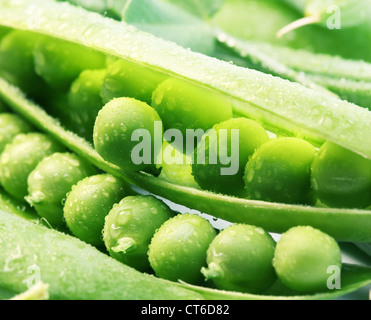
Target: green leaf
(201, 8)
(168, 21)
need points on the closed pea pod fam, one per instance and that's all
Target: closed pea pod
(20, 158)
(178, 249)
(240, 258)
(118, 129)
(130, 226)
(89, 203)
(223, 171)
(341, 178)
(51, 180)
(10, 126)
(279, 171)
(303, 258)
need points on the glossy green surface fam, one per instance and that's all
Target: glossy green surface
(341, 178)
(88, 204)
(20, 158)
(221, 156)
(240, 258)
(306, 258)
(280, 171)
(130, 226)
(51, 180)
(124, 134)
(178, 249)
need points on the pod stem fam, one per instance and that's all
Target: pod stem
(214, 271)
(298, 24)
(125, 245)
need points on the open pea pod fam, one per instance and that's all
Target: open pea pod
(30, 250)
(278, 104)
(343, 224)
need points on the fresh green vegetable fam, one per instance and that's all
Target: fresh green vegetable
(223, 152)
(85, 271)
(126, 79)
(184, 106)
(19, 159)
(124, 134)
(178, 249)
(72, 269)
(130, 226)
(10, 126)
(280, 171)
(240, 259)
(59, 62)
(17, 64)
(276, 103)
(89, 203)
(341, 178)
(237, 82)
(51, 180)
(342, 224)
(304, 259)
(84, 101)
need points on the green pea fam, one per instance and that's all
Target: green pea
(84, 101)
(183, 106)
(240, 258)
(305, 259)
(125, 79)
(17, 64)
(130, 226)
(89, 203)
(210, 161)
(10, 126)
(118, 129)
(341, 178)
(59, 62)
(178, 249)
(51, 180)
(176, 167)
(20, 157)
(279, 171)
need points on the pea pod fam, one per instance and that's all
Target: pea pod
(83, 269)
(54, 254)
(277, 104)
(342, 224)
(327, 117)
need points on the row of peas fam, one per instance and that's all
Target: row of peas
(144, 233)
(73, 83)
